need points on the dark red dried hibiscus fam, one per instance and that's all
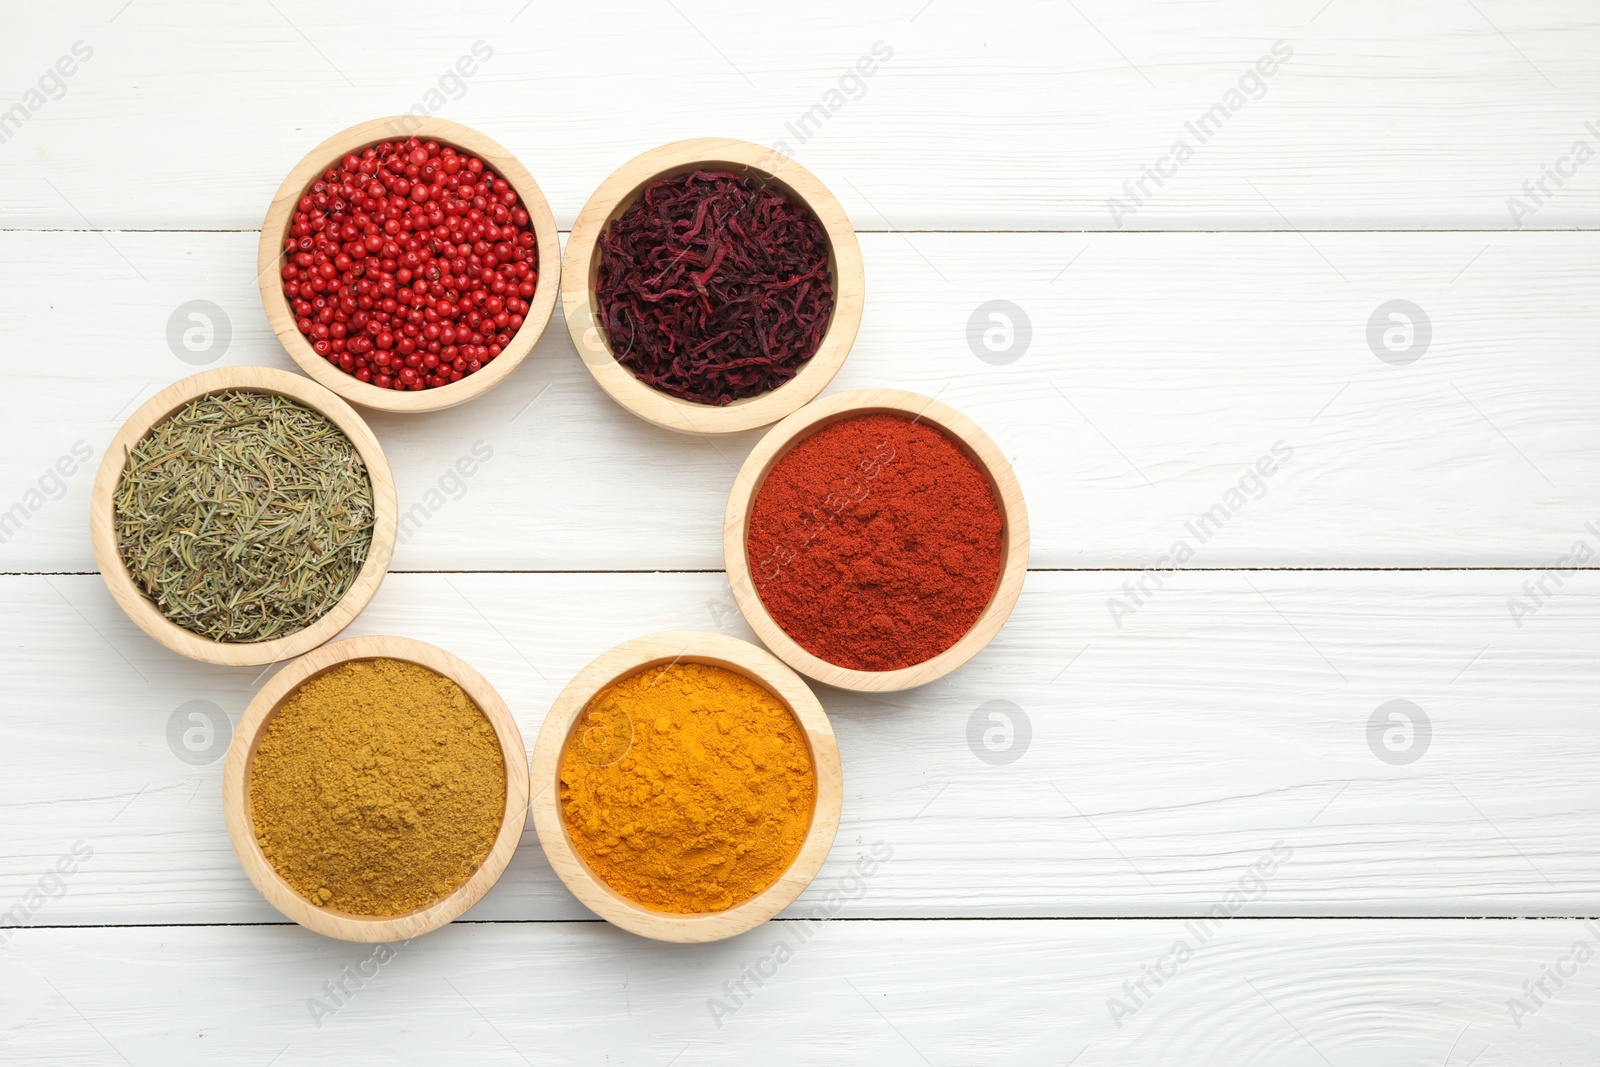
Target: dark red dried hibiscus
(714, 287)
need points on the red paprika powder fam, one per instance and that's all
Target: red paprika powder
(875, 543)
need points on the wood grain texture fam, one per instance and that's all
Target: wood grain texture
(1161, 368)
(660, 649)
(1021, 115)
(581, 274)
(1224, 720)
(280, 216)
(1162, 758)
(238, 817)
(973, 443)
(1290, 993)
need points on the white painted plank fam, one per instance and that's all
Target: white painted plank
(1161, 367)
(1225, 718)
(995, 116)
(1228, 715)
(1281, 992)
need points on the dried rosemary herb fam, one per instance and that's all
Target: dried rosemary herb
(244, 516)
(714, 287)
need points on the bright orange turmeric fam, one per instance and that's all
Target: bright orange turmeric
(688, 788)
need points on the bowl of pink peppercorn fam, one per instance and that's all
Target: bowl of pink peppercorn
(409, 264)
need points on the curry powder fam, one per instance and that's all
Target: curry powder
(687, 788)
(378, 788)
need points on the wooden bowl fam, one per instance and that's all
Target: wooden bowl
(581, 273)
(972, 440)
(269, 261)
(241, 826)
(690, 646)
(103, 526)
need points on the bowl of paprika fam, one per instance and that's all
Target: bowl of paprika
(712, 286)
(876, 540)
(409, 263)
(686, 786)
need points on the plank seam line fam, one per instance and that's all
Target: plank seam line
(1031, 570)
(1182, 917)
(1109, 233)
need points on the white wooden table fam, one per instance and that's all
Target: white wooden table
(1413, 892)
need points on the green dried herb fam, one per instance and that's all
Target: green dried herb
(245, 516)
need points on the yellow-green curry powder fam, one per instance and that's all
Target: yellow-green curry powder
(378, 788)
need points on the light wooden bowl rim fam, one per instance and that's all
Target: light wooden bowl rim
(972, 440)
(361, 136)
(241, 826)
(143, 611)
(581, 267)
(691, 646)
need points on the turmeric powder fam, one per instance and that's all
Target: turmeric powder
(378, 788)
(687, 788)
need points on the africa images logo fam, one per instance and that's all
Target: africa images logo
(52, 85)
(1537, 591)
(1536, 192)
(1252, 485)
(1252, 85)
(1251, 886)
